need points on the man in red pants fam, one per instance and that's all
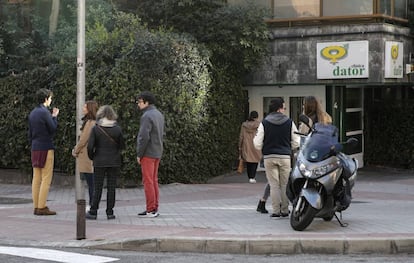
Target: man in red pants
(149, 150)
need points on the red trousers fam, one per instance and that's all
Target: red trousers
(149, 168)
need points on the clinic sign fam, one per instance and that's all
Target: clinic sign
(393, 59)
(342, 60)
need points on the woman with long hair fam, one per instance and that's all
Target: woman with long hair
(313, 110)
(80, 150)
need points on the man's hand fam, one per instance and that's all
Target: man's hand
(55, 112)
(138, 160)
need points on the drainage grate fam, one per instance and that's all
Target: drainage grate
(13, 200)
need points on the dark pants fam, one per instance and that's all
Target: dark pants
(111, 173)
(88, 177)
(251, 169)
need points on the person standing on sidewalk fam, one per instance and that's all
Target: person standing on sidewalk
(261, 207)
(42, 129)
(248, 153)
(313, 110)
(80, 151)
(104, 147)
(276, 138)
(149, 150)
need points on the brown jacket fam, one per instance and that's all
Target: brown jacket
(81, 151)
(246, 148)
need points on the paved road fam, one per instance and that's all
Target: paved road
(219, 217)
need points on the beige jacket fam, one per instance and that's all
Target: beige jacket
(246, 148)
(80, 150)
(303, 128)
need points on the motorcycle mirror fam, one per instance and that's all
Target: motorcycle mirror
(352, 141)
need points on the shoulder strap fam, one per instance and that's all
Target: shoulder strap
(107, 134)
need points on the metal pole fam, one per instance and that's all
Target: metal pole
(80, 101)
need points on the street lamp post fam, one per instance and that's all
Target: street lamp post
(80, 101)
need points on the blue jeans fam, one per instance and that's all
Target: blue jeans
(90, 181)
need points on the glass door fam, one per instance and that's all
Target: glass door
(354, 121)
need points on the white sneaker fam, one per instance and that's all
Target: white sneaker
(252, 180)
(148, 214)
(152, 214)
(87, 208)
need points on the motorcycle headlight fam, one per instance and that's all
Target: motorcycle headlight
(324, 169)
(317, 172)
(304, 171)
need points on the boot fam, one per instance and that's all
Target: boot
(261, 207)
(45, 212)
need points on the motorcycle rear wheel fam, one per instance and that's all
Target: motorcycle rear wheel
(301, 219)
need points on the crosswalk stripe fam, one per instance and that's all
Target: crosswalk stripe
(54, 255)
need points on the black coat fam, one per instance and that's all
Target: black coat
(104, 151)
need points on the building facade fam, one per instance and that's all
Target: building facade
(346, 53)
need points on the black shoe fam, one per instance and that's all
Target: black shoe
(148, 214)
(284, 214)
(261, 207)
(275, 215)
(142, 213)
(90, 216)
(110, 217)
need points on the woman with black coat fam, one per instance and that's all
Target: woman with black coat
(104, 147)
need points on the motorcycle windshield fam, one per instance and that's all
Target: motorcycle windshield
(322, 143)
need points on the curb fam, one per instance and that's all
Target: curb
(264, 247)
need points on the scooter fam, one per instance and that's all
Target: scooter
(322, 179)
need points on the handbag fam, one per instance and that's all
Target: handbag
(240, 167)
(109, 136)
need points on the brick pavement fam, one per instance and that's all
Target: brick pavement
(218, 217)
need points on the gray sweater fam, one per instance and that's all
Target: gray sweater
(151, 133)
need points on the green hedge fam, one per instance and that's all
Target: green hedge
(195, 70)
(202, 115)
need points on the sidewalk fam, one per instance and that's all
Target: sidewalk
(219, 217)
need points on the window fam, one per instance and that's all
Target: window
(400, 8)
(397, 8)
(385, 7)
(295, 8)
(295, 108)
(353, 98)
(317, 8)
(348, 7)
(354, 118)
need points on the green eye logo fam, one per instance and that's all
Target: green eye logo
(334, 53)
(394, 51)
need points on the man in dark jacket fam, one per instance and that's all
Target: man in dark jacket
(149, 150)
(276, 138)
(42, 128)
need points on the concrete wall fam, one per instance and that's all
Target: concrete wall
(14, 176)
(293, 53)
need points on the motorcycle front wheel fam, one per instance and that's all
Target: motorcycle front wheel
(303, 217)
